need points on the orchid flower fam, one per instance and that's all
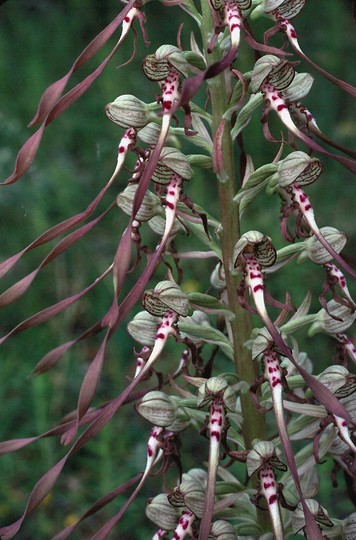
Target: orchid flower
(252, 252)
(287, 9)
(274, 374)
(233, 19)
(165, 68)
(184, 526)
(153, 455)
(336, 277)
(160, 534)
(262, 459)
(305, 120)
(219, 395)
(271, 76)
(347, 345)
(295, 171)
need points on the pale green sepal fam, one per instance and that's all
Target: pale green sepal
(163, 514)
(150, 205)
(174, 56)
(317, 252)
(223, 530)
(299, 87)
(318, 511)
(157, 408)
(208, 335)
(199, 160)
(175, 160)
(209, 304)
(326, 323)
(150, 133)
(334, 377)
(262, 69)
(143, 328)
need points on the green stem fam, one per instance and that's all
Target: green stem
(254, 425)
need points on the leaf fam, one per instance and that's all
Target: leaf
(98, 505)
(18, 289)
(53, 92)
(87, 390)
(51, 311)
(50, 108)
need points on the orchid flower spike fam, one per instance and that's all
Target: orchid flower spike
(272, 76)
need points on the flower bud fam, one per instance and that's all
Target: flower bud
(316, 251)
(166, 295)
(340, 319)
(334, 377)
(298, 167)
(143, 328)
(318, 512)
(190, 494)
(163, 514)
(150, 205)
(157, 408)
(128, 111)
(223, 530)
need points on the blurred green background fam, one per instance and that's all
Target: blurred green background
(39, 40)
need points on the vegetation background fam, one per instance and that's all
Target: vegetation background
(39, 40)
